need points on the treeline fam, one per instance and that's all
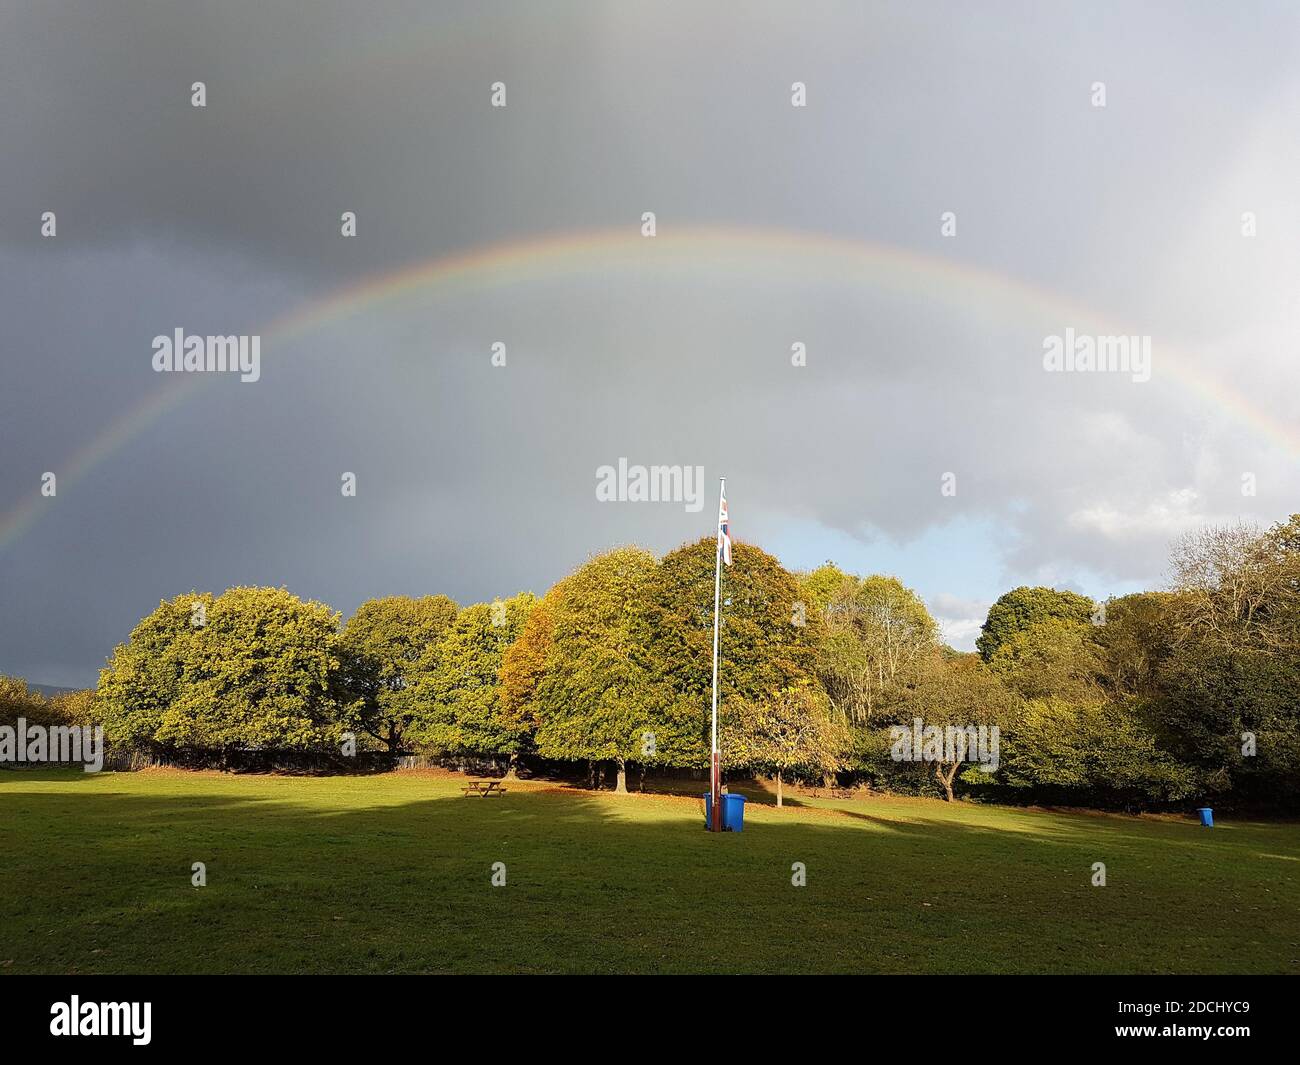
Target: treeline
(1151, 700)
(18, 701)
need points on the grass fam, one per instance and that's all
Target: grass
(391, 873)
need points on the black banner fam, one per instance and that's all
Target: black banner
(139, 1014)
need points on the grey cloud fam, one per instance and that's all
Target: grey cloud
(479, 482)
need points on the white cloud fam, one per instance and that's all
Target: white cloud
(1168, 517)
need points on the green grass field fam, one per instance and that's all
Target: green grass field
(392, 874)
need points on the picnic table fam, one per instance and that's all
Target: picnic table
(483, 788)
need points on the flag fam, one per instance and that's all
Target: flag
(724, 530)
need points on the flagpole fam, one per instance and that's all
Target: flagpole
(715, 775)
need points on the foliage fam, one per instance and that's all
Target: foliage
(380, 649)
(459, 688)
(1050, 657)
(956, 691)
(1021, 608)
(258, 672)
(600, 690)
(796, 728)
(876, 632)
(1135, 642)
(1190, 694)
(1093, 752)
(768, 634)
(145, 676)
(17, 700)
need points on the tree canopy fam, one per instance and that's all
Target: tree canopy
(1021, 608)
(1185, 694)
(256, 667)
(458, 694)
(381, 648)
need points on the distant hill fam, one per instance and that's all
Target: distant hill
(51, 689)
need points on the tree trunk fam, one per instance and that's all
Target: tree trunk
(641, 785)
(780, 795)
(511, 773)
(620, 785)
(947, 779)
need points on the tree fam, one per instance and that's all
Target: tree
(1093, 752)
(80, 707)
(1022, 608)
(599, 693)
(145, 676)
(380, 649)
(257, 667)
(957, 691)
(875, 631)
(1239, 589)
(17, 700)
(459, 688)
(823, 584)
(1135, 642)
(1229, 698)
(1051, 657)
(524, 664)
(768, 634)
(795, 728)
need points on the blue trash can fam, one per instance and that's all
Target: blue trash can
(1207, 816)
(733, 812)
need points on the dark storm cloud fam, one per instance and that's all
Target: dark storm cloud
(479, 482)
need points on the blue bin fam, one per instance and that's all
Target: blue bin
(1207, 816)
(733, 811)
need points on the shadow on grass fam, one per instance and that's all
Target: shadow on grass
(301, 878)
(756, 791)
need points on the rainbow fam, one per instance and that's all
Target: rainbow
(716, 252)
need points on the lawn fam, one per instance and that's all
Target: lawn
(393, 873)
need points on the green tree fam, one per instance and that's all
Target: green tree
(1229, 700)
(876, 631)
(459, 690)
(793, 729)
(17, 700)
(1135, 642)
(145, 676)
(599, 695)
(256, 667)
(381, 648)
(1051, 657)
(1021, 608)
(824, 584)
(1090, 752)
(957, 691)
(80, 707)
(768, 635)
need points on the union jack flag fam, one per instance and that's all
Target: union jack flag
(724, 531)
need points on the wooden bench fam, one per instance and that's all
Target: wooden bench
(483, 788)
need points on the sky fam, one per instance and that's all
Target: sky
(961, 183)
